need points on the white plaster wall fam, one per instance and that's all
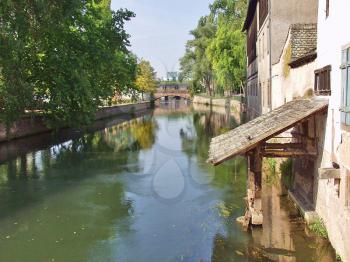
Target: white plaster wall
(333, 34)
(295, 84)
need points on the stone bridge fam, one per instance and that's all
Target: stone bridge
(172, 93)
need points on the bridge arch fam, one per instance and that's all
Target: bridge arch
(173, 92)
(159, 96)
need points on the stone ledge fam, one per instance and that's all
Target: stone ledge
(310, 215)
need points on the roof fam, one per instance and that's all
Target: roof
(250, 14)
(305, 59)
(247, 136)
(303, 40)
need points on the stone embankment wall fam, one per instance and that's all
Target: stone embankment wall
(229, 106)
(28, 126)
(224, 102)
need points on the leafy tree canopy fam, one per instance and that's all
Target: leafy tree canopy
(146, 77)
(216, 58)
(62, 57)
(195, 64)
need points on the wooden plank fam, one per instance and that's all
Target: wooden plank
(283, 145)
(286, 154)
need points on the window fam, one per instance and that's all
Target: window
(327, 8)
(345, 68)
(323, 81)
(251, 40)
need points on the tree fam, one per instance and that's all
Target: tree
(227, 53)
(227, 49)
(146, 78)
(195, 64)
(64, 58)
(216, 55)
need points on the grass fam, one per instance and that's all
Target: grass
(286, 171)
(319, 228)
(272, 177)
(271, 162)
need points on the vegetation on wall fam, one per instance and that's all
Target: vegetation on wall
(286, 172)
(319, 228)
(215, 59)
(62, 58)
(287, 59)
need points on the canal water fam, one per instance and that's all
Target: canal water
(141, 190)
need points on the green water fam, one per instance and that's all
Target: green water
(141, 191)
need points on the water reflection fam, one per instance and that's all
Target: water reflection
(141, 190)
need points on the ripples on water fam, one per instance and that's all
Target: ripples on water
(140, 191)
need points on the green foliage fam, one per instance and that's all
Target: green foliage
(65, 58)
(227, 53)
(271, 176)
(319, 228)
(195, 65)
(215, 59)
(286, 171)
(271, 162)
(146, 77)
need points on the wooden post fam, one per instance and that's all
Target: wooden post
(254, 187)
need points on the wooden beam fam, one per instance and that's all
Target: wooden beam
(286, 154)
(283, 145)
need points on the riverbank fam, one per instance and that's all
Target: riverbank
(28, 126)
(229, 105)
(235, 103)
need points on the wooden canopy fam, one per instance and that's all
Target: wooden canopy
(248, 136)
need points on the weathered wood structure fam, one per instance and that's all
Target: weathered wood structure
(255, 140)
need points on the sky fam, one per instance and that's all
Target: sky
(161, 29)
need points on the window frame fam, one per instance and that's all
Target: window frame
(322, 84)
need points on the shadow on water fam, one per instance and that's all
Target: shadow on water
(141, 191)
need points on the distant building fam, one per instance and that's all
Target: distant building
(172, 76)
